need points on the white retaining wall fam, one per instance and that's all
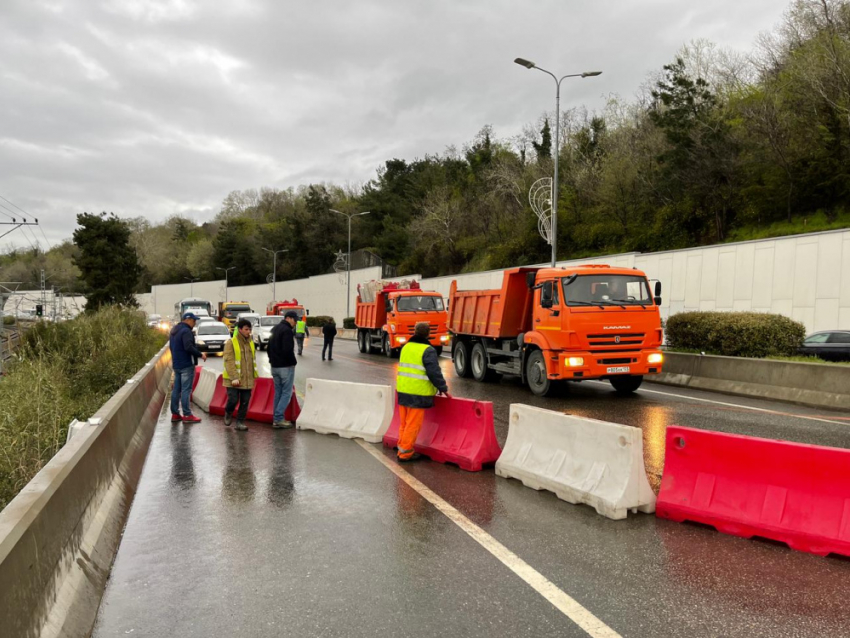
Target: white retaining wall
(805, 277)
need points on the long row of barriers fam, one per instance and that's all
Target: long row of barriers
(746, 486)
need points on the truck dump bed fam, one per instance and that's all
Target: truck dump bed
(493, 313)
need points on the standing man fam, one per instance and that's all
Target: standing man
(329, 332)
(282, 359)
(300, 333)
(184, 353)
(419, 379)
(240, 370)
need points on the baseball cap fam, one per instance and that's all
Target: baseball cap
(290, 313)
(190, 315)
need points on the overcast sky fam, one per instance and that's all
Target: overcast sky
(150, 108)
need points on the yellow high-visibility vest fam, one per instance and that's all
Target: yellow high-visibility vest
(237, 354)
(412, 378)
(300, 327)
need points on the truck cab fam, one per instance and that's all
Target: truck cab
(560, 324)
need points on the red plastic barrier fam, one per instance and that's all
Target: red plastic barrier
(195, 381)
(456, 431)
(219, 399)
(261, 406)
(746, 486)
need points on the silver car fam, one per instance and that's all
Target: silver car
(263, 330)
(210, 336)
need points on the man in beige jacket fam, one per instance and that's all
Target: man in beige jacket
(240, 370)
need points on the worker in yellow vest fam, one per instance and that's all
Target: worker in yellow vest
(300, 333)
(240, 370)
(419, 379)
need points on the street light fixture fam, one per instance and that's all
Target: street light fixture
(348, 261)
(587, 74)
(191, 281)
(274, 269)
(226, 270)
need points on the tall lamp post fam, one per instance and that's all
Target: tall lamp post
(274, 269)
(587, 74)
(226, 270)
(191, 281)
(348, 261)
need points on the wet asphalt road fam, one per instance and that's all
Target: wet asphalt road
(285, 533)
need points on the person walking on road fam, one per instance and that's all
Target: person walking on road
(419, 379)
(329, 332)
(300, 333)
(240, 370)
(282, 360)
(184, 354)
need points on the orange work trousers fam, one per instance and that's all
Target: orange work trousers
(408, 429)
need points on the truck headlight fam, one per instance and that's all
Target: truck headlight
(575, 362)
(655, 357)
(444, 338)
(402, 339)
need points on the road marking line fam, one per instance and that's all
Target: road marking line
(567, 605)
(734, 405)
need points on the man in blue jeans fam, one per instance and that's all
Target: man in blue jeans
(283, 362)
(184, 353)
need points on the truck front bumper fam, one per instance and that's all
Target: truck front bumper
(436, 340)
(584, 365)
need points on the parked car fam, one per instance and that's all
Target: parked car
(263, 331)
(154, 321)
(253, 317)
(202, 319)
(830, 345)
(210, 336)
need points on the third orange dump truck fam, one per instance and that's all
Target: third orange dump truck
(550, 325)
(387, 313)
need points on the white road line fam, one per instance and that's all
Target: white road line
(731, 405)
(567, 605)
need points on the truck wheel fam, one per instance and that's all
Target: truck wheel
(626, 384)
(461, 359)
(386, 349)
(362, 341)
(535, 374)
(478, 363)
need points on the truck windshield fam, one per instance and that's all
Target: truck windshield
(232, 311)
(606, 290)
(413, 304)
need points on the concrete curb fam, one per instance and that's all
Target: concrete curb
(348, 334)
(813, 384)
(59, 536)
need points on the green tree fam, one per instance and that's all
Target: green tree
(108, 264)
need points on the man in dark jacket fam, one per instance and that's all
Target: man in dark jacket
(184, 353)
(282, 360)
(419, 379)
(329, 332)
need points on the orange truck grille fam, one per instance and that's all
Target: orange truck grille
(603, 343)
(412, 329)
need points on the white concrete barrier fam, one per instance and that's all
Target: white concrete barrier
(351, 410)
(580, 460)
(205, 389)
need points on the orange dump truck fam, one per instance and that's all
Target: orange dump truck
(387, 313)
(549, 325)
(281, 307)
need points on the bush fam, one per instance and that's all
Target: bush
(735, 334)
(66, 371)
(348, 323)
(8, 321)
(318, 321)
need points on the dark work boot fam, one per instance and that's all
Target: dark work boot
(228, 418)
(240, 425)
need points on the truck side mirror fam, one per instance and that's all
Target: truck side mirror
(388, 306)
(529, 279)
(308, 312)
(546, 297)
(657, 293)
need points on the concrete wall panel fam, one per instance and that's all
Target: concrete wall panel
(763, 276)
(725, 279)
(805, 274)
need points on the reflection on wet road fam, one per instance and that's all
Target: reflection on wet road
(285, 533)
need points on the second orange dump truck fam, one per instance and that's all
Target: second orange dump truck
(387, 313)
(550, 325)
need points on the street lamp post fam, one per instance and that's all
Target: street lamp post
(191, 281)
(274, 269)
(348, 261)
(587, 74)
(226, 270)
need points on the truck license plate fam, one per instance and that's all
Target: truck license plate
(619, 370)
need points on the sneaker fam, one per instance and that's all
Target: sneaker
(191, 418)
(240, 425)
(176, 418)
(288, 425)
(413, 457)
(278, 425)
(330, 358)
(228, 418)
